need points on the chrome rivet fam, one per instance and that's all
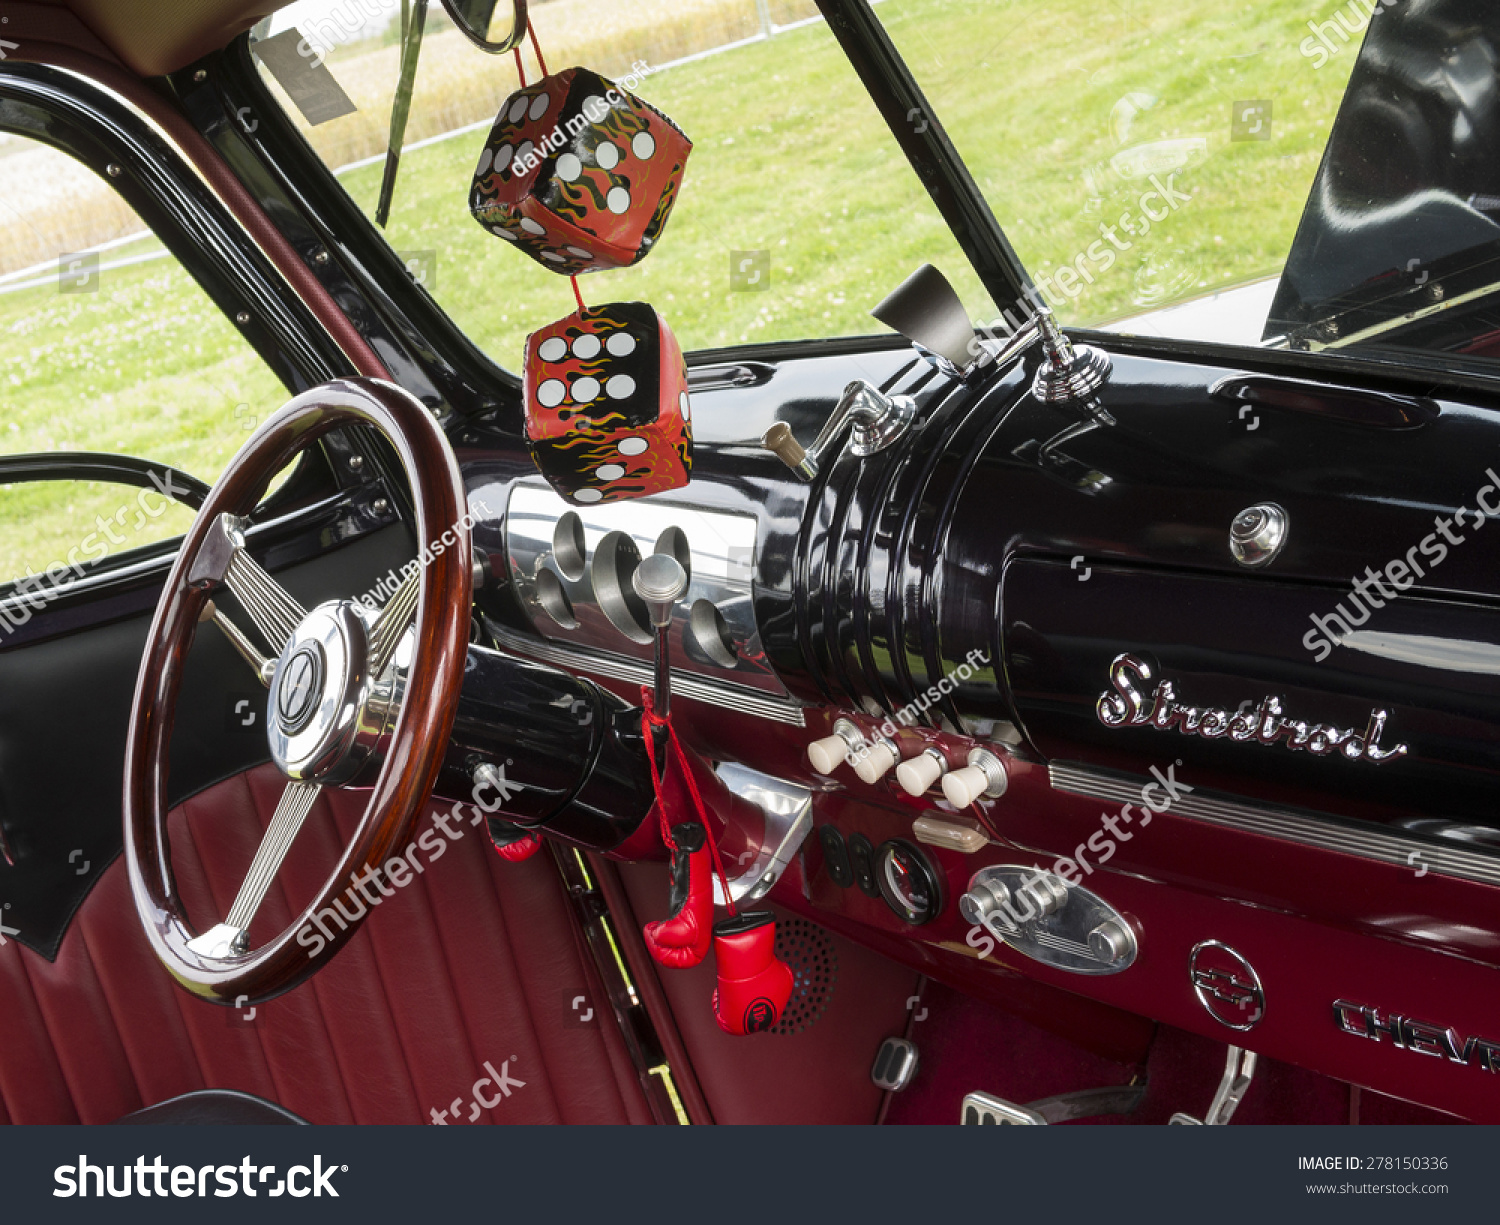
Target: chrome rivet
(380, 506)
(1258, 533)
(114, 170)
(356, 462)
(201, 75)
(242, 318)
(320, 256)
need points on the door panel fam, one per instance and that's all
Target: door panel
(62, 738)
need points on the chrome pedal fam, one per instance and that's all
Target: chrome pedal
(1239, 1071)
(985, 1108)
(895, 1065)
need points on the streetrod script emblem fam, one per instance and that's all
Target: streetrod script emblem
(1128, 706)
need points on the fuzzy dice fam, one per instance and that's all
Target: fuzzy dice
(607, 414)
(578, 173)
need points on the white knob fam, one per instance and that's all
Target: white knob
(874, 760)
(828, 753)
(962, 787)
(918, 773)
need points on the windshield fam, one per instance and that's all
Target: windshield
(1136, 155)
(1271, 174)
(797, 210)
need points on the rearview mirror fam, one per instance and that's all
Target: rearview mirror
(493, 25)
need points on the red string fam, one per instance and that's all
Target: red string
(979, 815)
(536, 46)
(520, 67)
(576, 294)
(650, 719)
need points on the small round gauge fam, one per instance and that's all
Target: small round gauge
(907, 881)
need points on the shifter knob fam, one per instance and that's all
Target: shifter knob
(660, 581)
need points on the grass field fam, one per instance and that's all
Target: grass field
(1062, 110)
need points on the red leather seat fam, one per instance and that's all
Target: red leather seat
(476, 962)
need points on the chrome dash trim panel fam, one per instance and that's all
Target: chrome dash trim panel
(1304, 828)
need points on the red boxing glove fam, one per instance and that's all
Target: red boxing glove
(754, 985)
(513, 842)
(682, 938)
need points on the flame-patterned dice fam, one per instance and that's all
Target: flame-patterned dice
(607, 413)
(578, 173)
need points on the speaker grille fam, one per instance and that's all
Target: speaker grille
(808, 950)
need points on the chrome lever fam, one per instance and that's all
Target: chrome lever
(877, 421)
(660, 582)
(1239, 1071)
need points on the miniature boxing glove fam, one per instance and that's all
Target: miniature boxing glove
(513, 842)
(683, 937)
(754, 984)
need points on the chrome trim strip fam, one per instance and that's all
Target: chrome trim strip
(620, 668)
(1305, 829)
(1450, 654)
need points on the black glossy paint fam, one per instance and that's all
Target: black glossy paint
(1228, 643)
(877, 580)
(1404, 215)
(572, 752)
(423, 349)
(103, 466)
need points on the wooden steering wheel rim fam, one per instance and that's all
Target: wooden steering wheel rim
(415, 752)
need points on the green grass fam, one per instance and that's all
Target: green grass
(146, 366)
(790, 157)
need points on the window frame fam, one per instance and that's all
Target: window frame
(99, 130)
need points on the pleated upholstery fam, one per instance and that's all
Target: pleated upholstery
(475, 961)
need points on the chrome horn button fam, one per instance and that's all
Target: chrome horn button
(321, 721)
(299, 688)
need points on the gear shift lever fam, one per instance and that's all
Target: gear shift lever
(661, 582)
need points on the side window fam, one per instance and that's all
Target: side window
(106, 344)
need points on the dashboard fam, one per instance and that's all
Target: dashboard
(1021, 714)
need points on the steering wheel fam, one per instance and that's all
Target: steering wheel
(336, 704)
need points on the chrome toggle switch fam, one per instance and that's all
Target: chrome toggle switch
(1041, 915)
(985, 899)
(1112, 941)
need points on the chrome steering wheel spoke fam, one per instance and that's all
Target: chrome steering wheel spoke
(224, 559)
(394, 620)
(263, 668)
(230, 937)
